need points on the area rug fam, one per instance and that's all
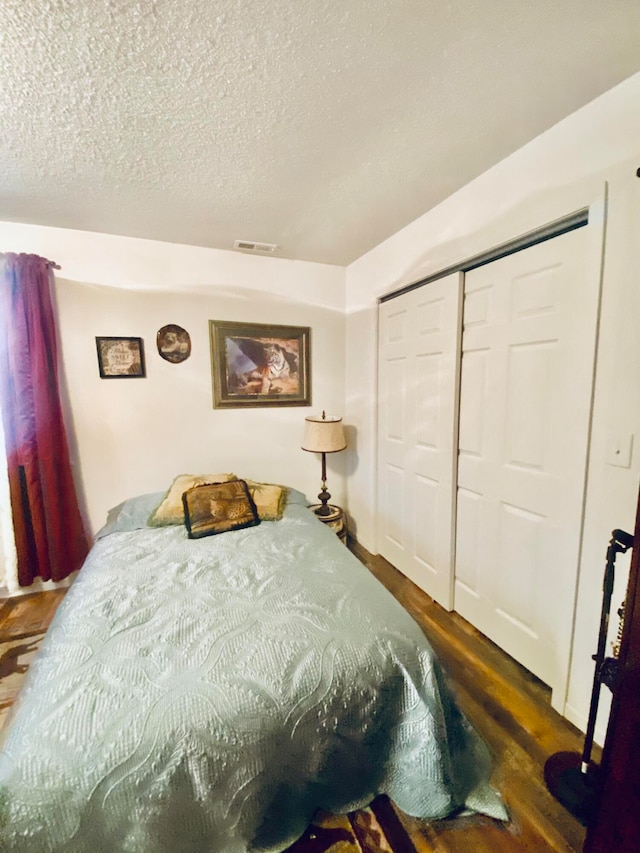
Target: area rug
(15, 657)
(375, 829)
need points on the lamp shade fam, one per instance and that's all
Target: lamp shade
(323, 434)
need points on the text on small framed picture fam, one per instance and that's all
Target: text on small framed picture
(120, 358)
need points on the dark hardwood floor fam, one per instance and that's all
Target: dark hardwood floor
(23, 623)
(511, 710)
(508, 706)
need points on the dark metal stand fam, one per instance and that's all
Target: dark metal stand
(324, 495)
(571, 777)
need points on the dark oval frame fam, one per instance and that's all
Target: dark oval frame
(182, 349)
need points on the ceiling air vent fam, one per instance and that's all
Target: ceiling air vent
(251, 246)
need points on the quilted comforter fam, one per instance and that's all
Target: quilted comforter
(209, 695)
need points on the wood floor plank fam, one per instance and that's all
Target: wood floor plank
(510, 709)
(25, 615)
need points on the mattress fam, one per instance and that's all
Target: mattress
(211, 694)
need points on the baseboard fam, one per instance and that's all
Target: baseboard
(37, 586)
(579, 720)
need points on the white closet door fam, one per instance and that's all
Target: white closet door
(419, 346)
(526, 389)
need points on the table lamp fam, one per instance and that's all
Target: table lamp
(323, 435)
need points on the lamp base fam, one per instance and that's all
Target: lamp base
(324, 497)
(575, 790)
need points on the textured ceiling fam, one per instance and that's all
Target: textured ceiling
(323, 126)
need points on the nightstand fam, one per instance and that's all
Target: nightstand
(336, 520)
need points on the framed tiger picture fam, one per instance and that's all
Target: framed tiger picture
(259, 365)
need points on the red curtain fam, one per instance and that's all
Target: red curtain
(50, 537)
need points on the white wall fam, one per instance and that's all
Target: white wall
(561, 171)
(131, 436)
(134, 435)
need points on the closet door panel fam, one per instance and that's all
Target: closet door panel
(529, 333)
(418, 388)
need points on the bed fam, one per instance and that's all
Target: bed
(209, 694)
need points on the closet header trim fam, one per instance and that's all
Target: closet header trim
(554, 229)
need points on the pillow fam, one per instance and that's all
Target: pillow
(296, 497)
(131, 514)
(218, 508)
(270, 500)
(171, 510)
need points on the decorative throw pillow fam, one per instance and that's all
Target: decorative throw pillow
(270, 500)
(171, 510)
(217, 508)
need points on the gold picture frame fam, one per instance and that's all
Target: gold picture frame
(256, 364)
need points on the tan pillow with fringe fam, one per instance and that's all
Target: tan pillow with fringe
(171, 510)
(270, 499)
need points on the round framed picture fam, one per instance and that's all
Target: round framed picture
(174, 343)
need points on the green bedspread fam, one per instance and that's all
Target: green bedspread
(209, 695)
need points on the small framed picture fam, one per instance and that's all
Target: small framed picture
(174, 343)
(259, 365)
(120, 358)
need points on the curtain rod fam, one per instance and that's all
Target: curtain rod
(51, 264)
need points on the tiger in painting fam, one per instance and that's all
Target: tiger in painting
(275, 366)
(272, 363)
